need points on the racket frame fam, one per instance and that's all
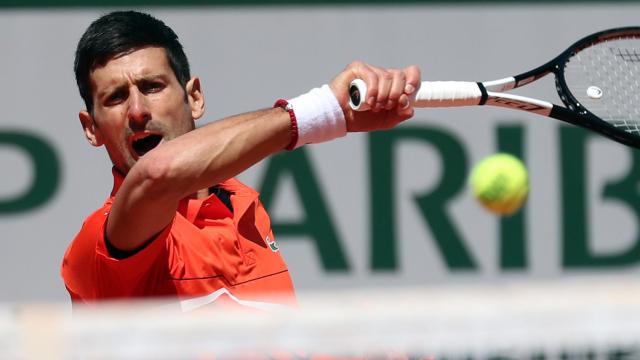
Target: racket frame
(573, 112)
(493, 92)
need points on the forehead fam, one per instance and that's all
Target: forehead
(147, 61)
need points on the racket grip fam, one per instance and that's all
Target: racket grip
(358, 95)
(430, 94)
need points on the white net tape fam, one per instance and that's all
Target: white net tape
(585, 319)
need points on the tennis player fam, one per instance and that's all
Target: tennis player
(177, 223)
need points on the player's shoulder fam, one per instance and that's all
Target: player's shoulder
(235, 185)
(240, 192)
(96, 220)
(91, 231)
(81, 252)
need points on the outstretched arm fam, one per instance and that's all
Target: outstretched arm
(147, 200)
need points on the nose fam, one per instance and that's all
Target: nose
(139, 113)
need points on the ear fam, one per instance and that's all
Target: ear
(90, 129)
(195, 98)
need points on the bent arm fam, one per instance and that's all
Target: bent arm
(148, 198)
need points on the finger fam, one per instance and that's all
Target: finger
(360, 70)
(404, 101)
(404, 113)
(385, 81)
(413, 79)
(396, 90)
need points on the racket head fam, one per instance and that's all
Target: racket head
(598, 77)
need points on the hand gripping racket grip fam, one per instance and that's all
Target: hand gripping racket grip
(430, 94)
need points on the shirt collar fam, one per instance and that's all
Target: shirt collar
(118, 178)
(232, 185)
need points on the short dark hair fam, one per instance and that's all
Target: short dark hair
(121, 32)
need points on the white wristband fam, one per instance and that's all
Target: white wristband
(319, 116)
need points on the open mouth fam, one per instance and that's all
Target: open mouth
(145, 143)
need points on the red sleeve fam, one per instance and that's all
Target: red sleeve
(90, 273)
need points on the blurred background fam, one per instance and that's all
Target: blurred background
(386, 211)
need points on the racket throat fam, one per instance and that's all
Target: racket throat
(517, 102)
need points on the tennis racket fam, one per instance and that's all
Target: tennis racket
(597, 79)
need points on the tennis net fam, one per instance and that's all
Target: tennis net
(579, 319)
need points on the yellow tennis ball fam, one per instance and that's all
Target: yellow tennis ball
(500, 182)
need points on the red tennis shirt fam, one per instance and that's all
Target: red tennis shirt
(207, 254)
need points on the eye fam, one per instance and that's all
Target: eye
(116, 97)
(148, 87)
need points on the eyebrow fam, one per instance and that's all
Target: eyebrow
(145, 78)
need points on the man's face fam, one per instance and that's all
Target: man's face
(138, 105)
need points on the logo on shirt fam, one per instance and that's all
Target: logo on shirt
(272, 244)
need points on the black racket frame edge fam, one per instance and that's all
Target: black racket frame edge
(574, 113)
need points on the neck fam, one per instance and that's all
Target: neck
(202, 193)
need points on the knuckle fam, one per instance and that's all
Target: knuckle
(355, 64)
(416, 70)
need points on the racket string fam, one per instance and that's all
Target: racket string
(603, 78)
